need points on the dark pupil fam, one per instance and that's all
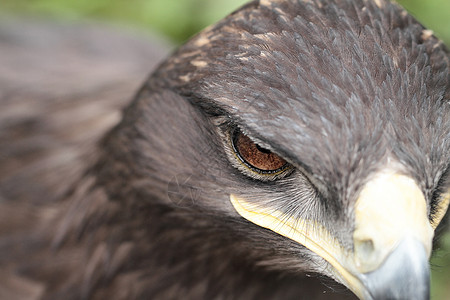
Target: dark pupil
(263, 150)
(256, 156)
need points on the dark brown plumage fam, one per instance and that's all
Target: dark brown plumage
(341, 90)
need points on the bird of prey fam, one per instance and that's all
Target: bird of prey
(293, 141)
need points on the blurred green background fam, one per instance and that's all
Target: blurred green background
(179, 19)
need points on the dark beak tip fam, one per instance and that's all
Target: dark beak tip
(405, 274)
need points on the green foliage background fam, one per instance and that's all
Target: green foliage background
(179, 19)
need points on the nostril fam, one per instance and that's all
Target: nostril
(364, 248)
(367, 258)
(404, 273)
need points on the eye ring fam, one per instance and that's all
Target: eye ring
(260, 161)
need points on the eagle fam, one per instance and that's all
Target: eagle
(297, 149)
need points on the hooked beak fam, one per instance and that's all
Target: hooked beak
(405, 274)
(392, 239)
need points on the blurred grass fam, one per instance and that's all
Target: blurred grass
(176, 19)
(179, 19)
(440, 269)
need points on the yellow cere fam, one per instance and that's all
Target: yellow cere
(441, 209)
(390, 208)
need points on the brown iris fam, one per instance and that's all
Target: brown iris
(256, 157)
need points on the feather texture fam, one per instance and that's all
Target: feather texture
(94, 205)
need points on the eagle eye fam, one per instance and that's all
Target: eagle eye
(256, 158)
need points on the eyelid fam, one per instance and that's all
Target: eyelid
(240, 163)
